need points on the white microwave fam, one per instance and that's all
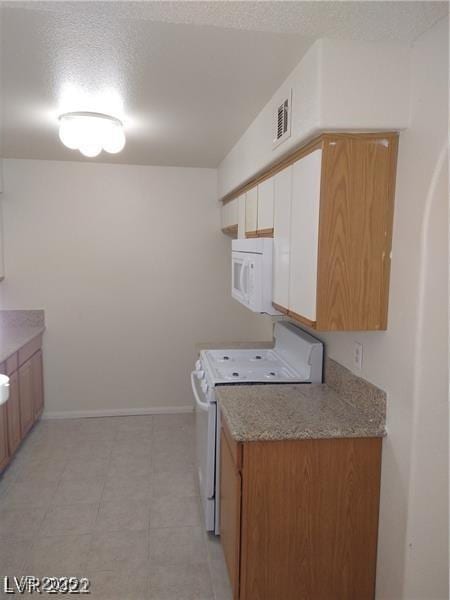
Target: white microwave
(251, 274)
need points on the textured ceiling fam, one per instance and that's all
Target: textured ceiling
(186, 77)
(401, 20)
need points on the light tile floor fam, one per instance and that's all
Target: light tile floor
(115, 500)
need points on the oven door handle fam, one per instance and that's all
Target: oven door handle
(202, 405)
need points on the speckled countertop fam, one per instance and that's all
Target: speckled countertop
(17, 328)
(348, 408)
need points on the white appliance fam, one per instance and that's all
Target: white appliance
(251, 274)
(296, 358)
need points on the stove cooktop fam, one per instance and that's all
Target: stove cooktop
(249, 366)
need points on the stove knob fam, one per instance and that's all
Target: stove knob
(198, 365)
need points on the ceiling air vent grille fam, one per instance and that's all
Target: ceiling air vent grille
(282, 121)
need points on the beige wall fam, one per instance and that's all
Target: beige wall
(131, 269)
(409, 360)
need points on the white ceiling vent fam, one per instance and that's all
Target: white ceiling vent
(282, 119)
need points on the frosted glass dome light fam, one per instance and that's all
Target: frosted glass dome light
(91, 132)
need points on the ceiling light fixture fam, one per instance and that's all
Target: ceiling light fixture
(91, 132)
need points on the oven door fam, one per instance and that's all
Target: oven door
(205, 431)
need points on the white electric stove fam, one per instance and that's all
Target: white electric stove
(297, 357)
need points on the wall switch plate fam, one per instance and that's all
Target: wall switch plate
(357, 355)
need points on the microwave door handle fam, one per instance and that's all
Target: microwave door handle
(202, 405)
(241, 279)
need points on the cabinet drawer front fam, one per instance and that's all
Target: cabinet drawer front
(12, 364)
(305, 235)
(29, 349)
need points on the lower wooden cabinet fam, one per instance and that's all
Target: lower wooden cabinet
(4, 449)
(38, 387)
(299, 519)
(13, 414)
(26, 389)
(230, 515)
(26, 398)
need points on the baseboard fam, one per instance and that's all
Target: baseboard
(117, 412)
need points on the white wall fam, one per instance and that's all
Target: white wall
(132, 270)
(338, 84)
(409, 360)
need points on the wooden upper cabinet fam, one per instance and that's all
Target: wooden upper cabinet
(251, 212)
(355, 234)
(340, 211)
(282, 237)
(265, 207)
(333, 206)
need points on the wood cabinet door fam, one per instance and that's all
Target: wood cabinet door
(4, 450)
(230, 512)
(38, 389)
(251, 212)
(282, 236)
(265, 205)
(306, 176)
(26, 400)
(13, 414)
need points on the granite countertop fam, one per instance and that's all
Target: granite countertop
(348, 408)
(17, 328)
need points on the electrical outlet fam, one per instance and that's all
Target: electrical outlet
(357, 355)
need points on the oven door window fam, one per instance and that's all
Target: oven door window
(240, 266)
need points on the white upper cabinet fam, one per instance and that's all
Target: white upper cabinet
(230, 214)
(305, 235)
(282, 236)
(265, 204)
(333, 205)
(251, 211)
(241, 216)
